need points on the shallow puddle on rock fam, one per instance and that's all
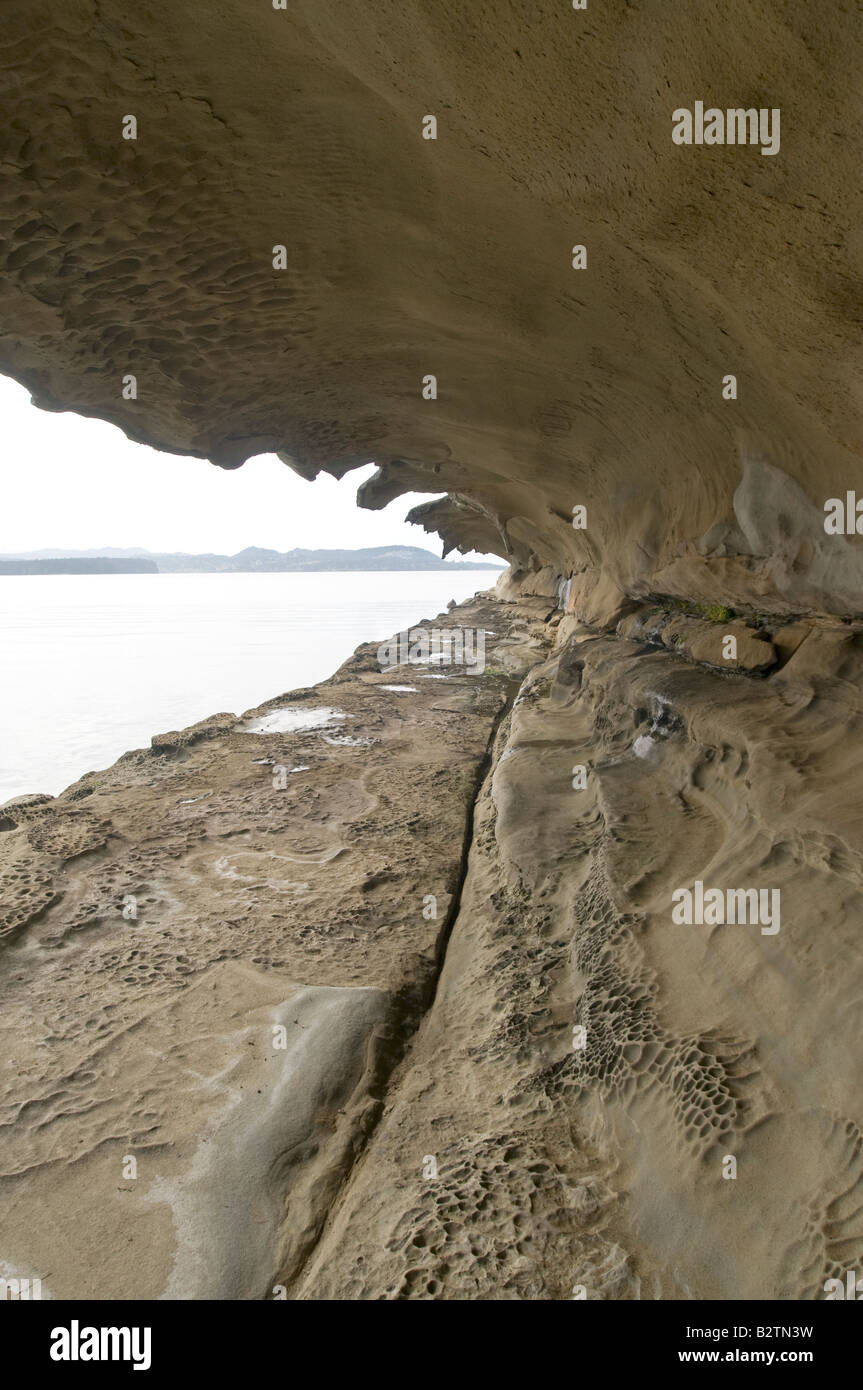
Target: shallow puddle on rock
(291, 720)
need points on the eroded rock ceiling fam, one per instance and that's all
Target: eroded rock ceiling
(407, 257)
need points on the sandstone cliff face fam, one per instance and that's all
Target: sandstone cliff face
(405, 257)
(445, 1129)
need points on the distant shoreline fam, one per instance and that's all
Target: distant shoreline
(253, 560)
(34, 567)
(32, 570)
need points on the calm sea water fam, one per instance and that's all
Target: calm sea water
(93, 665)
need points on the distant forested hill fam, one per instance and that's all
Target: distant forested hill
(382, 557)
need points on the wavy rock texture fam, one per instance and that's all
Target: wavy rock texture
(450, 1050)
(601, 1167)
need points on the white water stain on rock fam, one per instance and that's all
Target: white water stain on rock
(348, 741)
(291, 720)
(643, 746)
(401, 689)
(271, 762)
(264, 868)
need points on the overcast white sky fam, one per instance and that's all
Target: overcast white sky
(81, 484)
